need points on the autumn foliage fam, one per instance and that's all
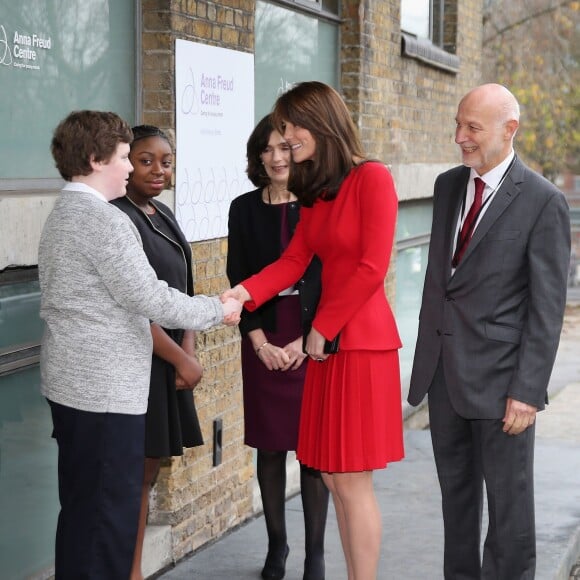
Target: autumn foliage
(533, 47)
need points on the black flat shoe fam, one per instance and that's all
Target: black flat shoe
(275, 566)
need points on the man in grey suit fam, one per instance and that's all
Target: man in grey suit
(490, 322)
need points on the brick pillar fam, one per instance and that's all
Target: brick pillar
(200, 501)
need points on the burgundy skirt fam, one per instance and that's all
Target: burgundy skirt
(272, 399)
(351, 417)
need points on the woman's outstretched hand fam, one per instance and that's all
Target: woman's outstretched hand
(238, 292)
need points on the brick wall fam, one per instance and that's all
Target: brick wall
(405, 112)
(404, 108)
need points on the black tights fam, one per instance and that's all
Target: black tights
(272, 481)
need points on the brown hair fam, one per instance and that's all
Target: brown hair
(257, 143)
(319, 108)
(86, 136)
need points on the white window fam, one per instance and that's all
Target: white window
(425, 34)
(416, 17)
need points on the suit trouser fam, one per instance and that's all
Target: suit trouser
(467, 453)
(100, 474)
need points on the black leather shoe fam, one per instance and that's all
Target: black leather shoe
(275, 566)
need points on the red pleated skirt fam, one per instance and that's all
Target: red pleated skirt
(351, 416)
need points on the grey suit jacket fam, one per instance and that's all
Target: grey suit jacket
(495, 323)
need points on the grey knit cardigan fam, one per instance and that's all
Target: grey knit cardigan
(98, 296)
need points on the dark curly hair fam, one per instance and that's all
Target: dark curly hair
(319, 108)
(84, 136)
(256, 145)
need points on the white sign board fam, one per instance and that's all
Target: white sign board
(214, 96)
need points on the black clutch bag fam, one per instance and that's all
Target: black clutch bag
(330, 346)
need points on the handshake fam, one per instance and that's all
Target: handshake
(232, 303)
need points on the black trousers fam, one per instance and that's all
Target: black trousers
(467, 453)
(100, 474)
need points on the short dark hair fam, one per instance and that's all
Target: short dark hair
(319, 108)
(84, 136)
(256, 145)
(147, 131)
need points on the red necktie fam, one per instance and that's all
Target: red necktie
(469, 223)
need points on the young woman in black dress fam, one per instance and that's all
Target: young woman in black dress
(171, 420)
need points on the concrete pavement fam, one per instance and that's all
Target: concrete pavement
(409, 497)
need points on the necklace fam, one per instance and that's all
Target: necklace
(148, 208)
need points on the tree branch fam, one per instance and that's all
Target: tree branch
(527, 18)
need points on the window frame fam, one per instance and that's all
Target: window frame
(313, 7)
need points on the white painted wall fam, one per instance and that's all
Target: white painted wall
(416, 180)
(22, 216)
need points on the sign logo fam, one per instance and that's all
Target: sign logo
(23, 50)
(189, 98)
(5, 52)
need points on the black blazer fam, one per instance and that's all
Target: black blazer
(171, 260)
(253, 243)
(155, 247)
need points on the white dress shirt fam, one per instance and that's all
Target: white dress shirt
(493, 180)
(81, 186)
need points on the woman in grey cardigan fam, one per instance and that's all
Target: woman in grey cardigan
(99, 294)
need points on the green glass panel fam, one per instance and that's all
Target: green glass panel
(414, 219)
(20, 322)
(57, 56)
(28, 478)
(411, 265)
(290, 48)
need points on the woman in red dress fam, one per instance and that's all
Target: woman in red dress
(351, 418)
(260, 225)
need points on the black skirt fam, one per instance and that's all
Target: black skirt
(171, 421)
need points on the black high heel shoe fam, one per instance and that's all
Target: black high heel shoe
(314, 568)
(275, 566)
